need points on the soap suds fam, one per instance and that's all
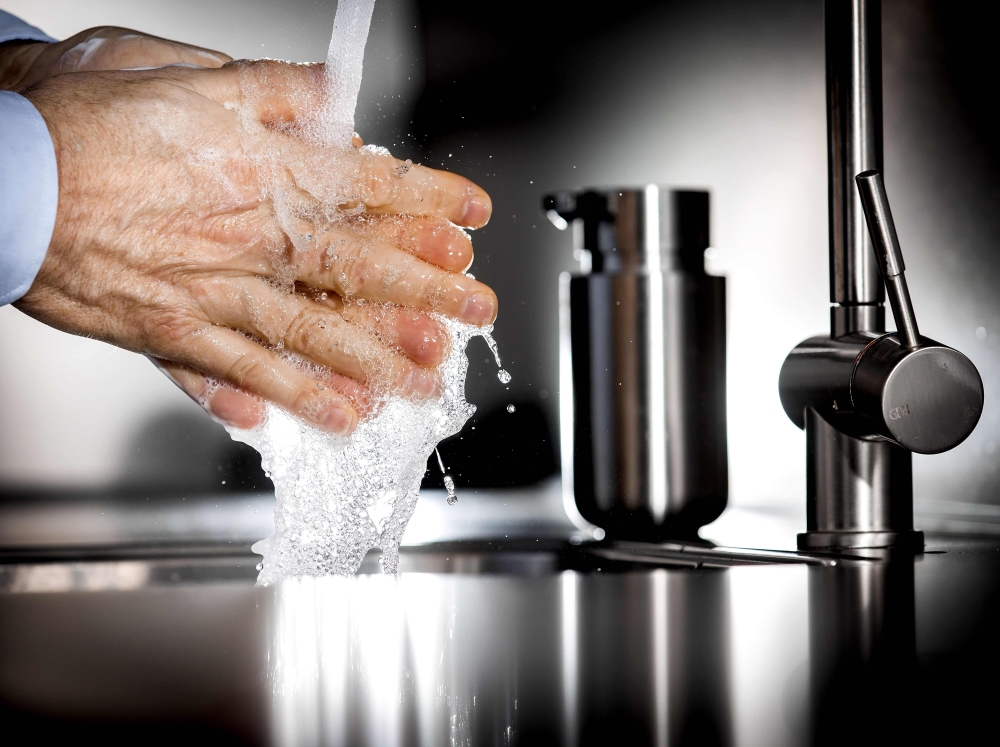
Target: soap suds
(336, 497)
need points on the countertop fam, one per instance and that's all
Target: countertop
(512, 640)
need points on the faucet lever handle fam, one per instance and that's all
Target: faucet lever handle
(889, 255)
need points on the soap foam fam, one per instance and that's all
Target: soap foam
(338, 497)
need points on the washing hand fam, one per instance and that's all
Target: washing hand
(194, 226)
(102, 48)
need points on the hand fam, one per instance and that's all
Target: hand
(23, 64)
(196, 224)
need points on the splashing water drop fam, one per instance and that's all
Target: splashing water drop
(502, 374)
(449, 483)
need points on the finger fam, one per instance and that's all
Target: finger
(229, 406)
(228, 355)
(299, 325)
(281, 94)
(276, 93)
(433, 240)
(424, 339)
(115, 48)
(341, 261)
(368, 177)
(388, 185)
(421, 338)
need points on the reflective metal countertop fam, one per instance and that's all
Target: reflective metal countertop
(521, 640)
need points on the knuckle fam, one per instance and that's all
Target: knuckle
(433, 292)
(380, 181)
(244, 369)
(164, 329)
(303, 401)
(303, 329)
(357, 268)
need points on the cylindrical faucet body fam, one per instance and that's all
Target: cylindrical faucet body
(866, 399)
(854, 122)
(854, 486)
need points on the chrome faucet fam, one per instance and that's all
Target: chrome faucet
(868, 399)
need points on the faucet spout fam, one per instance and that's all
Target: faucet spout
(854, 142)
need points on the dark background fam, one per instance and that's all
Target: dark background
(527, 98)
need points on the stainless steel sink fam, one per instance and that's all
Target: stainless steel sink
(143, 623)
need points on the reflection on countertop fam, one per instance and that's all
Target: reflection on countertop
(528, 653)
(518, 640)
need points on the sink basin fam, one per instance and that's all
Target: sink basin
(145, 625)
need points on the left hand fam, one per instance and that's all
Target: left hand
(23, 64)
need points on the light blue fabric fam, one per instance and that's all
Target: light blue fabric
(13, 28)
(29, 180)
(29, 194)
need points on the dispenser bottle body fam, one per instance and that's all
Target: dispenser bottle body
(644, 426)
(617, 483)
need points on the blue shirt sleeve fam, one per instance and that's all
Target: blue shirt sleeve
(29, 194)
(13, 28)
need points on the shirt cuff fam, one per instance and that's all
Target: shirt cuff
(29, 194)
(13, 28)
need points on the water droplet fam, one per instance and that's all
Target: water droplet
(503, 376)
(511, 408)
(449, 485)
(260, 566)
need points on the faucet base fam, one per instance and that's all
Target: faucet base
(859, 493)
(912, 540)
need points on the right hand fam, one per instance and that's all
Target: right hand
(179, 237)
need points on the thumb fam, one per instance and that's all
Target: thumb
(279, 94)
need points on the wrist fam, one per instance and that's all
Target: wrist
(16, 61)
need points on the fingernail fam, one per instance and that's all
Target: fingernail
(478, 308)
(236, 409)
(422, 383)
(477, 212)
(337, 420)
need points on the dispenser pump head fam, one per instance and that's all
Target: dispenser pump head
(614, 226)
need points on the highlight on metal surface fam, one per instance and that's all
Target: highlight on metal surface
(885, 242)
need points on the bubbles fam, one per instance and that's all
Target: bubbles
(511, 408)
(336, 497)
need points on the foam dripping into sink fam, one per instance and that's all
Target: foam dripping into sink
(336, 497)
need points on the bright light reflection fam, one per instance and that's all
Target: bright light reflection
(657, 360)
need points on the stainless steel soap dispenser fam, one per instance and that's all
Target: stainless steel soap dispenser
(642, 365)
